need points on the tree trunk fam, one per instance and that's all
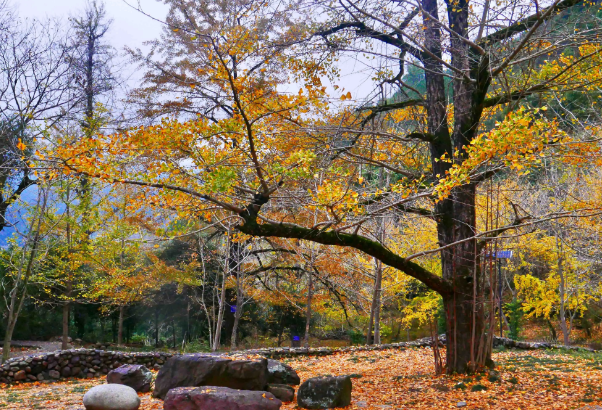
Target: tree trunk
(120, 326)
(236, 257)
(552, 330)
(19, 291)
(310, 289)
(280, 329)
(156, 326)
(173, 326)
(562, 309)
(467, 348)
(377, 301)
(65, 335)
(371, 321)
(220, 315)
(237, 315)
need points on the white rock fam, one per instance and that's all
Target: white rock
(111, 397)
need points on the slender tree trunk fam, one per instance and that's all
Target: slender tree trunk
(222, 299)
(220, 316)
(371, 320)
(239, 307)
(120, 326)
(156, 326)
(19, 291)
(280, 329)
(310, 290)
(377, 301)
(562, 291)
(173, 326)
(65, 334)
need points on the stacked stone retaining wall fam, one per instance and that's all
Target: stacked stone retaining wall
(79, 363)
(90, 363)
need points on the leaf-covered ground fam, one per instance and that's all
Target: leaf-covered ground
(393, 379)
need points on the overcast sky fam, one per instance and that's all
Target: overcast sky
(129, 27)
(133, 28)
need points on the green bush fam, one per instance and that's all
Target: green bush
(356, 337)
(515, 318)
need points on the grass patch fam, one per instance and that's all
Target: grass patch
(478, 387)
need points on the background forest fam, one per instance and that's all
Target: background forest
(93, 248)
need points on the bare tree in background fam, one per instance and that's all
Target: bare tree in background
(90, 61)
(35, 93)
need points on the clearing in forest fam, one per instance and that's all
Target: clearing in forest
(400, 379)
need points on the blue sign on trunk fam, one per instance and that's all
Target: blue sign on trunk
(500, 254)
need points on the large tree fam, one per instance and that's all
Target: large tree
(267, 147)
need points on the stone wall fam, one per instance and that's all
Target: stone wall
(80, 363)
(89, 363)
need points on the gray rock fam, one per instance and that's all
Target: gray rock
(54, 374)
(20, 375)
(111, 397)
(325, 392)
(461, 404)
(195, 370)
(138, 377)
(219, 398)
(283, 392)
(280, 373)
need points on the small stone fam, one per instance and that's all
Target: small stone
(66, 372)
(280, 373)
(325, 392)
(283, 392)
(461, 404)
(362, 404)
(137, 377)
(54, 374)
(20, 375)
(40, 377)
(111, 397)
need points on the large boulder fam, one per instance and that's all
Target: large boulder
(136, 376)
(325, 392)
(282, 392)
(194, 370)
(280, 373)
(219, 398)
(111, 397)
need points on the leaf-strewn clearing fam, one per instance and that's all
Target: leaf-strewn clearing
(400, 380)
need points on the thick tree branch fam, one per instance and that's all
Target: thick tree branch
(526, 23)
(369, 247)
(25, 183)
(365, 31)
(389, 107)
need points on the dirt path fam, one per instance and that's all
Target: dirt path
(27, 347)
